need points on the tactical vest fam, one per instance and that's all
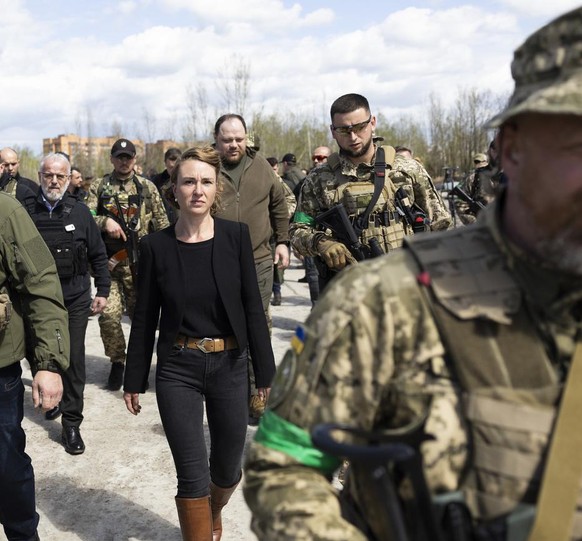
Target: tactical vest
(511, 388)
(131, 204)
(58, 233)
(385, 223)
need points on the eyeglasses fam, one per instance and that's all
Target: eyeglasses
(318, 158)
(355, 128)
(49, 176)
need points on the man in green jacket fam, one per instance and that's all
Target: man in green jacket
(31, 313)
(253, 194)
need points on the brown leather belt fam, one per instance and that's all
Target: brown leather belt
(207, 345)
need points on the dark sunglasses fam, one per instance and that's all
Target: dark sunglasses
(355, 128)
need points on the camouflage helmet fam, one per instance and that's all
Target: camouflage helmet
(547, 70)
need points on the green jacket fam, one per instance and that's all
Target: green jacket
(29, 276)
(259, 202)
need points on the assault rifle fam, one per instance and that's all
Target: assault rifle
(384, 460)
(118, 250)
(130, 229)
(474, 205)
(337, 220)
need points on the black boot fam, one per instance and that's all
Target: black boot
(115, 376)
(72, 440)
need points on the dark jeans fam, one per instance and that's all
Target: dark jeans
(75, 375)
(17, 503)
(184, 382)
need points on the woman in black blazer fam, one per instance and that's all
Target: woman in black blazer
(200, 274)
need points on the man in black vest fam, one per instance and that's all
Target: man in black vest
(70, 232)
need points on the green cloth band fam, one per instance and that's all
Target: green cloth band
(302, 218)
(277, 433)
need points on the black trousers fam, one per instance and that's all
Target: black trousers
(18, 513)
(185, 382)
(74, 377)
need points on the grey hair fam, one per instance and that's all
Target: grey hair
(55, 157)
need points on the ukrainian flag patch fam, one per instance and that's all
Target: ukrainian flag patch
(298, 340)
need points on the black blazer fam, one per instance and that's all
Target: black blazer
(160, 278)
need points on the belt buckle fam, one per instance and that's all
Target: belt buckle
(200, 345)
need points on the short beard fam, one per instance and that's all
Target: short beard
(53, 197)
(230, 161)
(356, 154)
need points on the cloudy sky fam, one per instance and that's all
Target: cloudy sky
(132, 63)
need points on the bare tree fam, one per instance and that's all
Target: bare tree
(233, 84)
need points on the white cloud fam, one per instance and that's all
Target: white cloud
(262, 13)
(299, 62)
(127, 7)
(540, 8)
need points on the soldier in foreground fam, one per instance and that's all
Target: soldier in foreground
(462, 348)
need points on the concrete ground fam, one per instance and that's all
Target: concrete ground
(122, 488)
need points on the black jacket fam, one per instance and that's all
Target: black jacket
(160, 280)
(80, 223)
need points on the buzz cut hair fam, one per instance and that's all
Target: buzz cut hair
(348, 103)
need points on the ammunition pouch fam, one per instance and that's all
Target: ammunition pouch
(356, 197)
(388, 237)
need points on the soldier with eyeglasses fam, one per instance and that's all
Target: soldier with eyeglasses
(348, 177)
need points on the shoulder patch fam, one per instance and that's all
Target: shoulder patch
(284, 379)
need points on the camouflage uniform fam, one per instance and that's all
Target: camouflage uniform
(481, 186)
(322, 190)
(122, 296)
(370, 355)
(462, 330)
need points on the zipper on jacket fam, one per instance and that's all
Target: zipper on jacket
(60, 340)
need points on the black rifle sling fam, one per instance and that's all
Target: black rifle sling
(361, 221)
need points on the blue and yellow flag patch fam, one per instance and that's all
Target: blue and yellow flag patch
(298, 340)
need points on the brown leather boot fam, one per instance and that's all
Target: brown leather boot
(218, 499)
(195, 518)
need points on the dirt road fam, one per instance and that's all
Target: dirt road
(122, 488)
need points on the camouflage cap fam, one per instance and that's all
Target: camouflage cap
(547, 70)
(479, 157)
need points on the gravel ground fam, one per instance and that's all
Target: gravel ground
(122, 488)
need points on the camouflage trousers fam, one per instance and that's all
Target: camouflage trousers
(121, 299)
